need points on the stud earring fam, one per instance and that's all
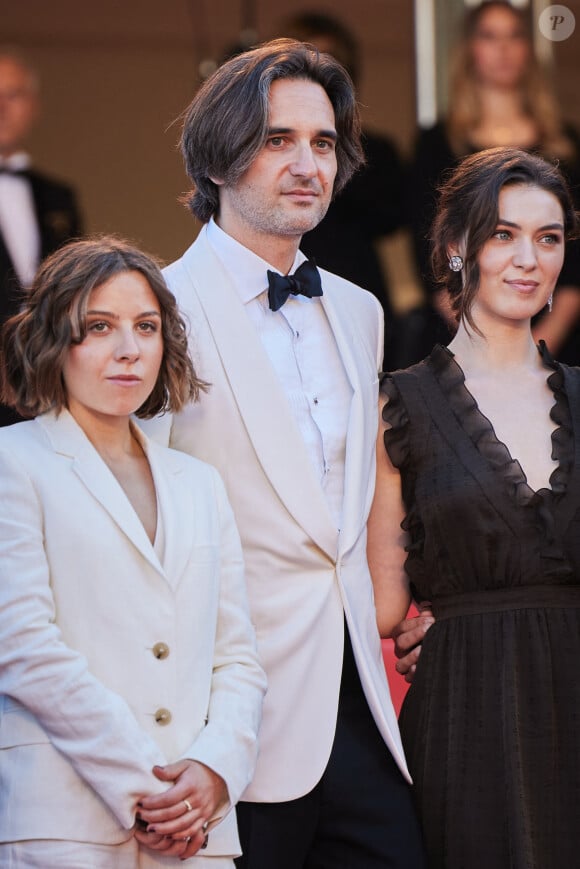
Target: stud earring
(550, 302)
(455, 263)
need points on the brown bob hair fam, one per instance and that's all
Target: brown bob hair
(226, 124)
(34, 343)
(467, 214)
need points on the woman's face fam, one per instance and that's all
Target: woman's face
(500, 49)
(115, 368)
(520, 263)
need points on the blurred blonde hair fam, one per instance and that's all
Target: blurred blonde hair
(538, 98)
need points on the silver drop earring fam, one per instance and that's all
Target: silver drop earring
(455, 263)
(550, 302)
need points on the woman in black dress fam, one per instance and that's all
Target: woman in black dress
(482, 467)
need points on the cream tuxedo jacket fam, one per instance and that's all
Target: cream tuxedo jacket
(303, 575)
(113, 659)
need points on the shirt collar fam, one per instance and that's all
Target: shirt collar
(246, 270)
(16, 162)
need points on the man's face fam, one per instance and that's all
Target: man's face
(18, 106)
(288, 188)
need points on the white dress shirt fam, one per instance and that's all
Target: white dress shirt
(18, 223)
(300, 344)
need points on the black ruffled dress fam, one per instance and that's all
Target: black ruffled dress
(491, 723)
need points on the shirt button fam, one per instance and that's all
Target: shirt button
(163, 717)
(161, 651)
(315, 400)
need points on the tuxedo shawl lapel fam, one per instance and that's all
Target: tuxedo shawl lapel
(259, 397)
(358, 457)
(68, 439)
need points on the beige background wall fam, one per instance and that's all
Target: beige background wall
(116, 75)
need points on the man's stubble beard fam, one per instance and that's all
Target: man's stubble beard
(278, 221)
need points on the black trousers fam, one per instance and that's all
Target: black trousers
(360, 815)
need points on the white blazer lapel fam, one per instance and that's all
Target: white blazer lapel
(174, 507)
(68, 439)
(260, 399)
(361, 431)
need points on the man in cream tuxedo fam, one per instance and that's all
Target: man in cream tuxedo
(290, 421)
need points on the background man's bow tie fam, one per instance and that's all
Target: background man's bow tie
(17, 173)
(305, 281)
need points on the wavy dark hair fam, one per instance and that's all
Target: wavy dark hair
(34, 343)
(226, 124)
(467, 214)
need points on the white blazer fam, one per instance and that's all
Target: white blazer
(114, 658)
(303, 575)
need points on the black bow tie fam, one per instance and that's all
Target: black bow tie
(305, 281)
(17, 173)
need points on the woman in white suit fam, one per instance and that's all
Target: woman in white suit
(130, 691)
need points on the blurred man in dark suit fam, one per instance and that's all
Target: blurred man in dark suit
(37, 213)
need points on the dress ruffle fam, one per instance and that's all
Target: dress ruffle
(479, 428)
(397, 445)
(563, 435)
(396, 437)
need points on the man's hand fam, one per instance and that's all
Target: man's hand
(408, 636)
(176, 821)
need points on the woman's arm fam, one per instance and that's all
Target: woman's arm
(386, 541)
